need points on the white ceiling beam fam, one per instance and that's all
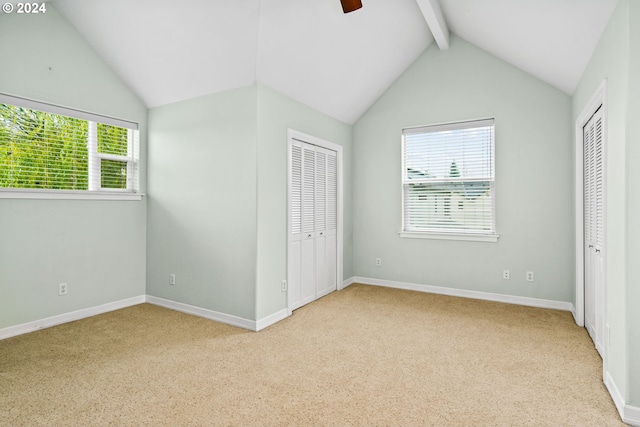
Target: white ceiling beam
(436, 22)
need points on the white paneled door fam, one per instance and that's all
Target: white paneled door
(594, 236)
(313, 221)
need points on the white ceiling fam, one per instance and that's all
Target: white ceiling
(550, 39)
(168, 50)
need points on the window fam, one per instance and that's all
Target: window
(50, 149)
(449, 165)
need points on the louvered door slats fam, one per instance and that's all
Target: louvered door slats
(594, 225)
(313, 222)
(332, 190)
(320, 191)
(599, 185)
(296, 189)
(308, 193)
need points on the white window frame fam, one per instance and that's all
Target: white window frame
(95, 191)
(478, 236)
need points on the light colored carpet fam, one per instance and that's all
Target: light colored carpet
(362, 356)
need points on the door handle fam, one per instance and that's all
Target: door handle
(321, 233)
(308, 236)
(597, 250)
(590, 246)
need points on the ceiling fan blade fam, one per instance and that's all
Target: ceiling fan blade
(350, 5)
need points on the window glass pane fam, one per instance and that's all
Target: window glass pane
(41, 147)
(464, 153)
(459, 206)
(112, 140)
(42, 150)
(449, 178)
(113, 174)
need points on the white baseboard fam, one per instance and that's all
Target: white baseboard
(24, 328)
(347, 282)
(629, 414)
(241, 322)
(510, 299)
(229, 319)
(618, 400)
(271, 319)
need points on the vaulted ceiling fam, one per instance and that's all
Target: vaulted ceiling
(339, 64)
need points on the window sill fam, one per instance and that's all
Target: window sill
(450, 236)
(68, 195)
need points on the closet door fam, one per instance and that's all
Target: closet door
(307, 249)
(331, 226)
(326, 210)
(295, 225)
(320, 205)
(313, 196)
(594, 228)
(301, 262)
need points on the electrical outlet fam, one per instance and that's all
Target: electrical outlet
(63, 288)
(378, 262)
(172, 279)
(283, 286)
(506, 275)
(529, 276)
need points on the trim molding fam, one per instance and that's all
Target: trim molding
(574, 313)
(509, 299)
(615, 393)
(203, 312)
(629, 414)
(252, 325)
(59, 319)
(271, 319)
(347, 282)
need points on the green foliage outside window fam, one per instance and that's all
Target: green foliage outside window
(40, 150)
(113, 174)
(113, 140)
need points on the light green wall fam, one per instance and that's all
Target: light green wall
(97, 247)
(202, 202)
(533, 177)
(227, 243)
(276, 113)
(633, 206)
(611, 61)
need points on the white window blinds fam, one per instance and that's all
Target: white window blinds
(448, 178)
(46, 147)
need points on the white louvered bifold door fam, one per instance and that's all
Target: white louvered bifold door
(321, 222)
(313, 223)
(332, 221)
(594, 228)
(307, 249)
(326, 220)
(295, 224)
